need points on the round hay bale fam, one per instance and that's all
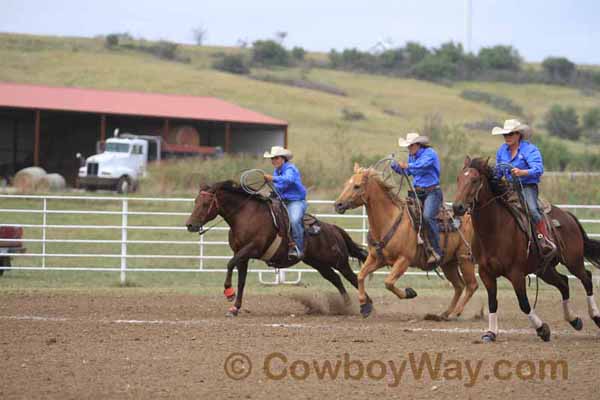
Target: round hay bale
(51, 183)
(27, 179)
(185, 135)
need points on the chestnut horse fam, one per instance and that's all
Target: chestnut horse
(389, 216)
(501, 248)
(252, 233)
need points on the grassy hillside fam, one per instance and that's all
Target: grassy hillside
(318, 131)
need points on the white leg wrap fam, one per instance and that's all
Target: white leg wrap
(536, 322)
(592, 307)
(569, 314)
(493, 319)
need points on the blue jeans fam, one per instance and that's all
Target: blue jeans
(530, 194)
(431, 206)
(296, 210)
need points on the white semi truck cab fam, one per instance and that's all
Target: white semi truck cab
(122, 164)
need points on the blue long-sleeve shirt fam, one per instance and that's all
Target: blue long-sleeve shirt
(424, 166)
(288, 182)
(528, 157)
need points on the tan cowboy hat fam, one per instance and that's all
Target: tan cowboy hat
(278, 151)
(513, 125)
(412, 138)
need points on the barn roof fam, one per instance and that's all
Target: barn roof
(128, 103)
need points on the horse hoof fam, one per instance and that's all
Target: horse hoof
(410, 293)
(577, 324)
(366, 309)
(596, 319)
(233, 312)
(229, 293)
(445, 316)
(544, 332)
(488, 337)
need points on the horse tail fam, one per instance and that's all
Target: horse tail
(354, 249)
(591, 247)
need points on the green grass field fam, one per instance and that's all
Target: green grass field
(391, 106)
(323, 141)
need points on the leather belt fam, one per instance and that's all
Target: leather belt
(427, 189)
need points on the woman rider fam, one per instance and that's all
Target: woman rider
(424, 165)
(527, 164)
(288, 183)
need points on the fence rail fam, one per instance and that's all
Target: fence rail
(128, 230)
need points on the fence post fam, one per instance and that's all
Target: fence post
(44, 222)
(124, 243)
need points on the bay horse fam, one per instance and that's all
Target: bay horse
(392, 230)
(252, 232)
(501, 248)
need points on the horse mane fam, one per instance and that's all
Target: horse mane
(386, 187)
(497, 185)
(229, 186)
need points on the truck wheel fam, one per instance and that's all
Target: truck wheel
(124, 185)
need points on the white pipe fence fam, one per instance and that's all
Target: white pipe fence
(123, 224)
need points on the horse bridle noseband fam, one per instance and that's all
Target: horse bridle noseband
(214, 202)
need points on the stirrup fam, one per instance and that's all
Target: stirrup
(294, 254)
(547, 248)
(434, 258)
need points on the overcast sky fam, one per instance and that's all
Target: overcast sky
(537, 28)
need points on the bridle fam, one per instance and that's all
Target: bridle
(214, 202)
(476, 197)
(360, 193)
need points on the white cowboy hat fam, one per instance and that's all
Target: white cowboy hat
(278, 151)
(513, 125)
(412, 138)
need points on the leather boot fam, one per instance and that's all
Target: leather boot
(547, 247)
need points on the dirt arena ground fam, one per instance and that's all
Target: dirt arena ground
(163, 345)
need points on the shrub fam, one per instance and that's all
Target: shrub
(352, 59)
(556, 156)
(591, 125)
(298, 53)
(563, 122)
(233, 63)
(500, 57)
(591, 119)
(434, 68)
(269, 52)
(111, 40)
(351, 115)
(415, 52)
(559, 69)
(164, 49)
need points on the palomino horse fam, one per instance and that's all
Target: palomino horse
(252, 233)
(501, 248)
(391, 226)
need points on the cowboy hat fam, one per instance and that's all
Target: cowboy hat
(278, 151)
(412, 138)
(513, 125)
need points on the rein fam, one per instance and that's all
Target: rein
(215, 203)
